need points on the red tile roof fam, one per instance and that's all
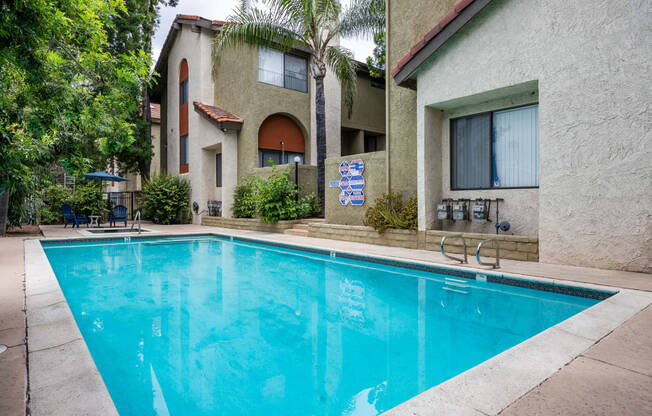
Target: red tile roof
(459, 7)
(217, 113)
(155, 111)
(195, 17)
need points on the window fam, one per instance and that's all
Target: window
(183, 151)
(282, 70)
(496, 150)
(218, 170)
(183, 92)
(267, 157)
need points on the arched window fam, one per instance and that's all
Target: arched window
(183, 117)
(280, 140)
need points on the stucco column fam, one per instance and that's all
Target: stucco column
(429, 175)
(229, 171)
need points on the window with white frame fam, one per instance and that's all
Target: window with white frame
(498, 149)
(282, 69)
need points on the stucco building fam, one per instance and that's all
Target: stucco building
(221, 123)
(543, 104)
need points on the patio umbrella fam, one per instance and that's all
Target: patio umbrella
(104, 176)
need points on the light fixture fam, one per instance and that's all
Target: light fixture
(297, 159)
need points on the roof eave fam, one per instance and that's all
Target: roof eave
(405, 76)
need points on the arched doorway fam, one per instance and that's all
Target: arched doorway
(280, 140)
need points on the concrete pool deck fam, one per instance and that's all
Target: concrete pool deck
(600, 375)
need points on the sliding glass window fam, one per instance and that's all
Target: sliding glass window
(499, 149)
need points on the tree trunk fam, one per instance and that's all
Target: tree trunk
(320, 116)
(4, 212)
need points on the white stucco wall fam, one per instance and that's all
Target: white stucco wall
(592, 64)
(205, 139)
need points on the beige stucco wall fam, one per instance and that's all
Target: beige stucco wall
(374, 175)
(591, 62)
(368, 107)
(238, 91)
(204, 138)
(155, 166)
(409, 21)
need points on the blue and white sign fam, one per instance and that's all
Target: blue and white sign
(351, 183)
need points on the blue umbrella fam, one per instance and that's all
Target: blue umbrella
(104, 176)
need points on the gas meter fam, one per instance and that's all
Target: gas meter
(444, 210)
(461, 210)
(481, 209)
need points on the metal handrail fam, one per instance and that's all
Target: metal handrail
(443, 241)
(495, 265)
(137, 216)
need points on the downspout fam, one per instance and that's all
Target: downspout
(387, 100)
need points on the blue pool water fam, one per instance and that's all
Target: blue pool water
(208, 326)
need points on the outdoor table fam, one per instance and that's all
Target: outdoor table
(94, 220)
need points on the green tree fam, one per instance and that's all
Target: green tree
(289, 24)
(65, 95)
(376, 62)
(131, 29)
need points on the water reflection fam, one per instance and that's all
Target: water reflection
(212, 327)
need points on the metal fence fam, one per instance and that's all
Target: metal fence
(130, 199)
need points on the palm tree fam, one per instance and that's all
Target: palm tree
(315, 24)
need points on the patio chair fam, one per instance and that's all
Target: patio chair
(70, 217)
(119, 214)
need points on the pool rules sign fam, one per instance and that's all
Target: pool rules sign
(351, 183)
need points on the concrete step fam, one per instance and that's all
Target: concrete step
(312, 220)
(300, 233)
(300, 227)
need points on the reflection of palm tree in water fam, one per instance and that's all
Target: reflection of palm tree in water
(369, 402)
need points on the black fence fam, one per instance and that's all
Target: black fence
(130, 199)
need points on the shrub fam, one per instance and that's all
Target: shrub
(389, 211)
(87, 199)
(244, 199)
(311, 207)
(165, 200)
(52, 198)
(276, 198)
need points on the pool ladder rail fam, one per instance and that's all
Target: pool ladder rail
(136, 217)
(464, 260)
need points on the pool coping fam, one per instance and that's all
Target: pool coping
(54, 338)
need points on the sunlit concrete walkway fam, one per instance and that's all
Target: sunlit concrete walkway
(612, 377)
(13, 370)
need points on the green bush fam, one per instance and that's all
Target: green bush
(244, 199)
(273, 199)
(165, 200)
(310, 206)
(52, 198)
(389, 211)
(277, 198)
(87, 199)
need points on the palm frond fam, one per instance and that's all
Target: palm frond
(273, 28)
(340, 61)
(363, 18)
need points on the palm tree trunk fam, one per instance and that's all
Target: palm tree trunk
(320, 116)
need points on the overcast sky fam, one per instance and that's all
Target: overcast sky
(220, 10)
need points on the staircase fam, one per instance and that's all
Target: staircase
(301, 229)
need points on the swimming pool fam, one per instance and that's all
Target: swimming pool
(213, 325)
